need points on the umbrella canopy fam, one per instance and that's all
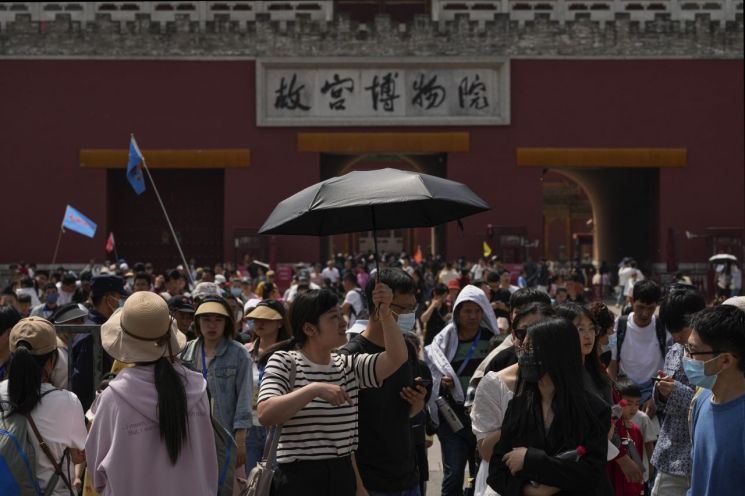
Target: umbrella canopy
(370, 200)
(722, 258)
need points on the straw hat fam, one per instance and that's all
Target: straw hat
(142, 330)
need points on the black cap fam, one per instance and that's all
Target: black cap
(100, 285)
(173, 275)
(68, 312)
(181, 304)
(69, 278)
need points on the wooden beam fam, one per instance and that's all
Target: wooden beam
(168, 159)
(602, 157)
(383, 142)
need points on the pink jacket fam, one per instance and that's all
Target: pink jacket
(124, 451)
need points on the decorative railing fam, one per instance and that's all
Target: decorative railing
(561, 11)
(443, 11)
(167, 12)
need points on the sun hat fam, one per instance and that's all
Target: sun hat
(142, 330)
(212, 306)
(37, 332)
(264, 311)
(736, 301)
(68, 312)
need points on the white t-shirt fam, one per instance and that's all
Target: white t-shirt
(477, 272)
(641, 357)
(354, 299)
(331, 274)
(60, 420)
(624, 274)
(650, 428)
(489, 407)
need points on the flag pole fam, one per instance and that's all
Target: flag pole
(59, 240)
(168, 219)
(116, 252)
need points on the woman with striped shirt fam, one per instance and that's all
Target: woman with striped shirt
(319, 411)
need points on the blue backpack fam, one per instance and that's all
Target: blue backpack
(18, 457)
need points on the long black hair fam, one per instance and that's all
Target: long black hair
(306, 308)
(25, 375)
(556, 344)
(570, 311)
(173, 416)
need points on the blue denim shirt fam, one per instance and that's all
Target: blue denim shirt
(229, 381)
(672, 454)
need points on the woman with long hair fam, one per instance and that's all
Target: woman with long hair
(318, 410)
(56, 414)
(226, 366)
(594, 377)
(270, 326)
(551, 414)
(152, 432)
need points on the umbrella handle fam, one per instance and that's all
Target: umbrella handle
(376, 316)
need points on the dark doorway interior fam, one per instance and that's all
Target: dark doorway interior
(194, 200)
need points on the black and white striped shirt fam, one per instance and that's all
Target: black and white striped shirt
(319, 430)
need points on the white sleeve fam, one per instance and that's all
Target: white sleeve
(75, 423)
(489, 405)
(613, 342)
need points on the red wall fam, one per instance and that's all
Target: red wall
(57, 107)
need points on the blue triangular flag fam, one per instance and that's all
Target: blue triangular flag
(75, 221)
(134, 167)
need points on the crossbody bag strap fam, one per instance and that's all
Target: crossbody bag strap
(272, 440)
(48, 452)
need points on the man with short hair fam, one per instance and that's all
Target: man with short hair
(386, 455)
(639, 343)
(353, 304)
(23, 303)
(174, 286)
(715, 362)
(673, 393)
(182, 310)
(141, 282)
(49, 296)
(67, 288)
(107, 295)
(331, 273)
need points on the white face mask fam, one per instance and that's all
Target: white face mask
(407, 321)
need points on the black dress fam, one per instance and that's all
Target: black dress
(584, 477)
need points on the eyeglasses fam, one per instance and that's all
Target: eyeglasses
(588, 330)
(404, 309)
(688, 352)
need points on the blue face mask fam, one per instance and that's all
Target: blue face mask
(694, 370)
(407, 321)
(250, 325)
(236, 292)
(52, 299)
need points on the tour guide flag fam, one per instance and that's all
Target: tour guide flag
(134, 167)
(75, 221)
(487, 249)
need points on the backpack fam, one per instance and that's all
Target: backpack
(621, 335)
(363, 313)
(18, 457)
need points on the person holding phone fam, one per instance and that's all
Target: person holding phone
(386, 455)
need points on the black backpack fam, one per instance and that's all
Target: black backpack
(621, 335)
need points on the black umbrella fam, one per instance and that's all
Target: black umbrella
(372, 200)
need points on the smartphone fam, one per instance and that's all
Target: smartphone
(425, 383)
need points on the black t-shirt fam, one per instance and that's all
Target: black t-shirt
(386, 455)
(504, 359)
(435, 324)
(501, 295)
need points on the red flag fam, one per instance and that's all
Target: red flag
(418, 255)
(110, 243)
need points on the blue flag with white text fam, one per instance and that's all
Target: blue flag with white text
(134, 167)
(75, 221)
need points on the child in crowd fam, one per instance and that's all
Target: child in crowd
(631, 439)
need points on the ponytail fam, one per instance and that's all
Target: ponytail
(172, 408)
(24, 378)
